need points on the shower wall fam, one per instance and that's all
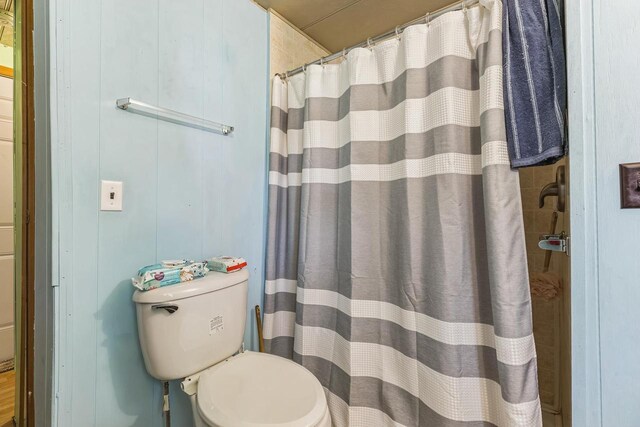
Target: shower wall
(289, 47)
(550, 318)
(536, 220)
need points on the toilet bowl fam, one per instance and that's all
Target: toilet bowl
(193, 331)
(255, 390)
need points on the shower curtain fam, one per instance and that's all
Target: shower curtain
(396, 266)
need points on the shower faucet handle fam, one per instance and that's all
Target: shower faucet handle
(547, 191)
(557, 188)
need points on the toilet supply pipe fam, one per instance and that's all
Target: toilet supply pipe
(166, 415)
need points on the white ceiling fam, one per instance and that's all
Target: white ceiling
(337, 24)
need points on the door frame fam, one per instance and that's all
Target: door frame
(34, 296)
(24, 206)
(586, 396)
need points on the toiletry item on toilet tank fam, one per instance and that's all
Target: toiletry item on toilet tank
(226, 264)
(168, 273)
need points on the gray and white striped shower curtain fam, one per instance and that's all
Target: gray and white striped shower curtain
(396, 266)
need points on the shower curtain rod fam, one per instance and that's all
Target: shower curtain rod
(377, 39)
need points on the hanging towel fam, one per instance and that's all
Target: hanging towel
(534, 81)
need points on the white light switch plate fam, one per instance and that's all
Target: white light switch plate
(111, 196)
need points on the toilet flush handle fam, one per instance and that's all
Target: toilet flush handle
(171, 308)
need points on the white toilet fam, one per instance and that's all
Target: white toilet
(194, 331)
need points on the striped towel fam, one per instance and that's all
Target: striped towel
(534, 81)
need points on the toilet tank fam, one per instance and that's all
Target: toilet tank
(186, 328)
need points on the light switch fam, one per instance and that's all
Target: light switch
(630, 185)
(111, 196)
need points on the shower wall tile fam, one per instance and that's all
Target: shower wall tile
(537, 221)
(542, 221)
(546, 323)
(543, 175)
(529, 218)
(546, 314)
(278, 27)
(526, 178)
(529, 199)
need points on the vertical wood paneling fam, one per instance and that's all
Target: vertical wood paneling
(243, 219)
(603, 83)
(180, 166)
(125, 394)
(187, 193)
(84, 140)
(617, 31)
(585, 322)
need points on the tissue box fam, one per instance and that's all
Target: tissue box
(226, 264)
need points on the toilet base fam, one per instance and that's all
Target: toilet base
(197, 419)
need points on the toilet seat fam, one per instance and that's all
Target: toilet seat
(259, 389)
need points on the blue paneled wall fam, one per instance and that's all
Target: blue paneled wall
(617, 141)
(187, 193)
(605, 292)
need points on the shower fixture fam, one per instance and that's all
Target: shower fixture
(553, 242)
(557, 188)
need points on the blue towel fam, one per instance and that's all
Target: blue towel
(534, 81)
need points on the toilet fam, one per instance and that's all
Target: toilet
(194, 331)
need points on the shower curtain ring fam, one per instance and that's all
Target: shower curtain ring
(398, 32)
(304, 68)
(322, 62)
(344, 53)
(428, 19)
(464, 6)
(369, 43)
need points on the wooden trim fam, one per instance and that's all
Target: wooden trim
(6, 71)
(29, 199)
(586, 397)
(25, 415)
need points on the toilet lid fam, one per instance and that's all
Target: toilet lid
(259, 389)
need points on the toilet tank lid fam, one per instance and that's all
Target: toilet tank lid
(213, 281)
